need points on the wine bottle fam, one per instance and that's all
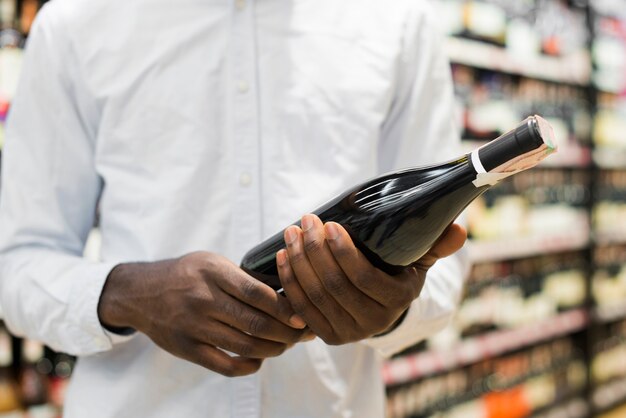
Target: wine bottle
(396, 218)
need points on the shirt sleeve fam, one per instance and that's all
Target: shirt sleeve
(49, 192)
(420, 129)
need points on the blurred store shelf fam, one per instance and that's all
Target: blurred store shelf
(571, 408)
(574, 69)
(605, 237)
(610, 158)
(576, 238)
(608, 313)
(407, 368)
(609, 395)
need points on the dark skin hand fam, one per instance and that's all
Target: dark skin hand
(199, 307)
(339, 294)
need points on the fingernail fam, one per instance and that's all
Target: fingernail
(310, 337)
(332, 232)
(296, 321)
(281, 258)
(290, 235)
(307, 222)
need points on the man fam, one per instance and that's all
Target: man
(201, 127)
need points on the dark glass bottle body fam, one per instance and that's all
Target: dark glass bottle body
(396, 218)
(391, 219)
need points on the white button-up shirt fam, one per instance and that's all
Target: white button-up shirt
(210, 125)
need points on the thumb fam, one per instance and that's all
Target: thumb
(448, 243)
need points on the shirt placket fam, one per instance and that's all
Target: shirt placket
(247, 208)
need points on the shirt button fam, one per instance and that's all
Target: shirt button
(243, 86)
(240, 4)
(245, 179)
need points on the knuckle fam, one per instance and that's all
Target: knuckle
(250, 289)
(336, 283)
(297, 257)
(246, 349)
(257, 324)
(363, 280)
(313, 246)
(299, 306)
(343, 252)
(186, 266)
(282, 310)
(317, 295)
(232, 310)
(287, 279)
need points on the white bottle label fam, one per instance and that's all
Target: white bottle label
(483, 178)
(520, 163)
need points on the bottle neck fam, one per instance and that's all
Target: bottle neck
(517, 150)
(531, 135)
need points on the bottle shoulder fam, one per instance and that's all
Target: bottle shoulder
(405, 186)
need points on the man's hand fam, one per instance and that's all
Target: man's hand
(199, 306)
(341, 296)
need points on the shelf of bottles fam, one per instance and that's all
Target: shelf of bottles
(609, 133)
(608, 371)
(608, 368)
(541, 211)
(609, 283)
(547, 209)
(547, 376)
(540, 39)
(543, 240)
(507, 306)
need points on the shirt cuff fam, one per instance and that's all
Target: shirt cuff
(115, 338)
(84, 311)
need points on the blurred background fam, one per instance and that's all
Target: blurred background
(541, 330)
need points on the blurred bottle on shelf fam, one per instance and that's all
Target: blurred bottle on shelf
(512, 294)
(608, 368)
(28, 12)
(609, 210)
(609, 353)
(9, 393)
(609, 133)
(608, 284)
(488, 102)
(34, 380)
(545, 203)
(525, 27)
(609, 45)
(10, 36)
(609, 76)
(59, 379)
(562, 27)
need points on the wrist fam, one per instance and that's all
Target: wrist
(114, 309)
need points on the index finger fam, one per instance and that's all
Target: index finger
(257, 294)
